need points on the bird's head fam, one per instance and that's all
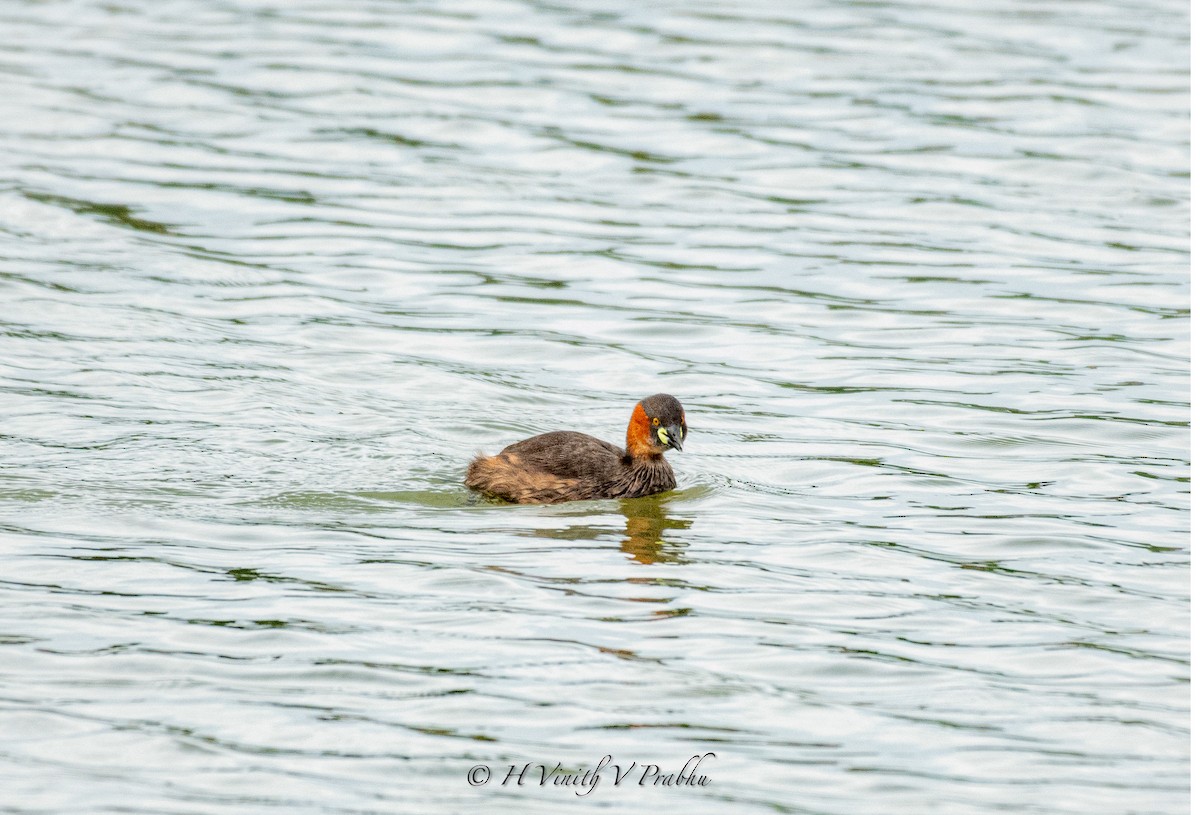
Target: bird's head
(657, 425)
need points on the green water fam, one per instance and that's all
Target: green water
(271, 273)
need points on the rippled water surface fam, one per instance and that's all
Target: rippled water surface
(271, 272)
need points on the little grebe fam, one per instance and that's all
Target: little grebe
(569, 466)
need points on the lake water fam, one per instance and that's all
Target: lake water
(271, 272)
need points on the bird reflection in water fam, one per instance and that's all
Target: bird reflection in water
(646, 519)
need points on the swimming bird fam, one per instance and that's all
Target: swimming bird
(569, 466)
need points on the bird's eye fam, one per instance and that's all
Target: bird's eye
(655, 422)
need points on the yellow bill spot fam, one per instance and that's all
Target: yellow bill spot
(662, 435)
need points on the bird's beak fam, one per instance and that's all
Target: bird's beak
(674, 438)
